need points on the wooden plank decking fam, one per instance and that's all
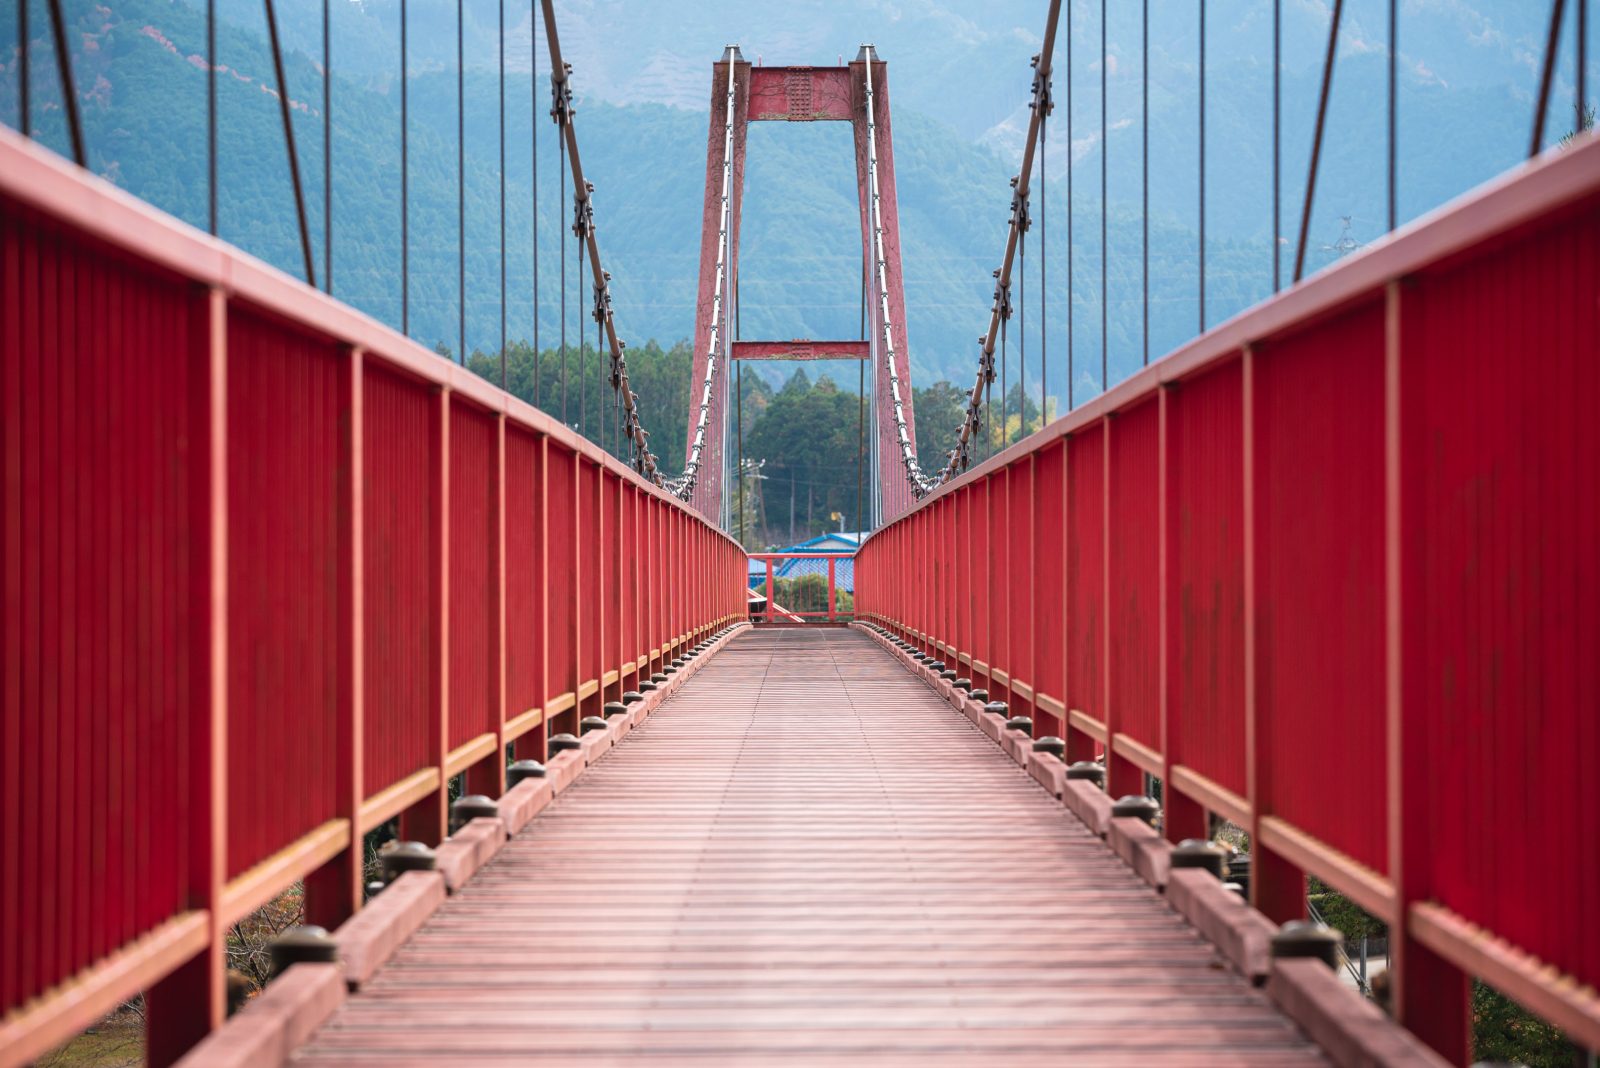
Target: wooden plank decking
(807, 857)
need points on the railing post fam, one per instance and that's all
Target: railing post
(488, 775)
(771, 593)
(192, 1001)
(334, 891)
(427, 820)
(1277, 887)
(1182, 817)
(831, 561)
(1432, 997)
(1123, 776)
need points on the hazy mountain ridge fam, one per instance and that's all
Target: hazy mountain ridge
(138, 65)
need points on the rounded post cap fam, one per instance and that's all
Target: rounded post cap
(561, 742)
(306, 944)
(465, 809)
(524, 769)
(1201, 853)
(400, 857)
(1301, 939)
(1086, 769)
(1137, 806)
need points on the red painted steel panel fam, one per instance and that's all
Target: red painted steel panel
(524, 577)
(1085, 575)
(284, 416)
(631, 548)
(1050, 581)
(1205, 664)
(983, 641)
(561, 618)
(799, 94)
(1134, 558)
(801, 349)
(101, 390)
(398, 547)
(1019, 577)
(611, 565)
(474, 593)
(1319, 506)
(1500, 520)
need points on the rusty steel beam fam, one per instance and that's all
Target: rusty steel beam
(800, 94)
(802, 349)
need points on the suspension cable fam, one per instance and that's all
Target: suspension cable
(578, 232)
(327, 153)
(920, 486)
(405, 182)
(980, 399)
(288, 140)
(631, 425)
(533, 139)
(1044, 287)
(683, 485)
(502, 194)
(461, 174)
(211, 110)
(69, 86)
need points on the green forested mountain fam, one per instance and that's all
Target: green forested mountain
(959, 76)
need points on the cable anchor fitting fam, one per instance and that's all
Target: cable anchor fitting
(561, 110)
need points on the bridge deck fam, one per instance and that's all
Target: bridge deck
(807, 856)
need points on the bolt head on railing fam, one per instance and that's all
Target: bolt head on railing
(670, 670)
(947, 675)
(658, 678)
(524, 769)
(592, 723)
(1050, 744)
(1303, 939)
(962, 684)
(936, 665)
(996, 708)
(559, 743)
(400, 857)
(614, 708)
(1087, 770)
(1201, 853)
(306, 944)
(1020, 723)
(470, 807)
(1137, 806)
(980, 695)
(632, 697)
(920, 657)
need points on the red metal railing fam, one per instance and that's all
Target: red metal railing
(1331, 572)
(797, 601)
(273, 574)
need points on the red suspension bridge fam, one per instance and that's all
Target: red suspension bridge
(276, 577)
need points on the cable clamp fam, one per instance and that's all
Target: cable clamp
(561, 109)
(1043, 100)
(1021, 217)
